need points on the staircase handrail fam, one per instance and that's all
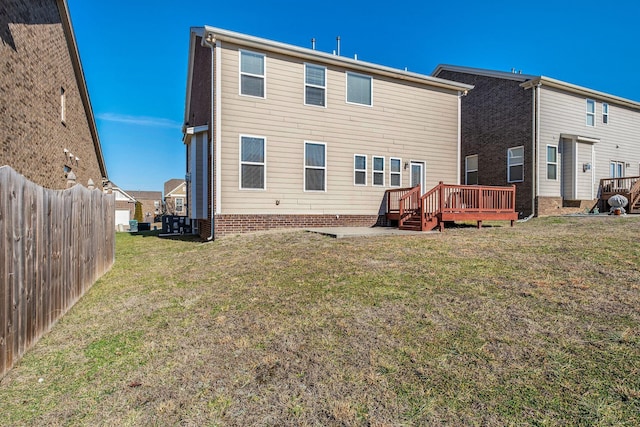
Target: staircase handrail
(634, 193)
(412, 198)
(429, 205)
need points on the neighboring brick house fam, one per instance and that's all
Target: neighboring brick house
(175, 197)
(125, 206)
(552, 139)
(47, 128)
(151, 204)
(282, 136)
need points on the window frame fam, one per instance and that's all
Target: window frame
(356, 170)
(263, 163)
(351, 73)
(618, 166)
(605, 113)
(263, 76)
(555, 147)
(63, 106)
(375, 171)
(324, 88)
(181, 207)
(305, 167)
(590, 114)
(392, 173)
(467, 170)
(510, 165)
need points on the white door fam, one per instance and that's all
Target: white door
(122, 217)
(417, 176)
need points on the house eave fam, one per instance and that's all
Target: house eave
(482, 72)
(212, 34)
(580, 90)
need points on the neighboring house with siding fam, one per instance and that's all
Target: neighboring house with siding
(47, 127)
(552, 139)
(282, 136)
(175, 197)
(125, 206)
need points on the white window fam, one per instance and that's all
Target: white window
(315, 85)
(616, 169)
(359, 90)
(252, 74)
(605, 113)
(471, 170)
(359, 169)
(515, 164)
(252, 162)
(395, 172)
(591, 112)
(63, 106)
(378, 171)
(179, 204)
(315, 166)
(552, 162)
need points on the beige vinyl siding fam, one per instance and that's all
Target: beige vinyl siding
(563, 112)
(407, 121)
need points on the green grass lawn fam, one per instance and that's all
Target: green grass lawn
(533, 325)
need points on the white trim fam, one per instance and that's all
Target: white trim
(346, 88)
(63, 106)
(547, 162)
(589, 113)
(360, 170)
(181, 204)
(605, 114)
(467, 170)
(391, 172)
(263, 76)
(218, 129)
(196, 129)
(576, 167)
(374, 171)
(304, 167)
(423, 174)
(170, 193)
(593, 170)
(482, 72)
(459, 138)
(509, 164)
(263, 164)
(329, 59)
(315, 86)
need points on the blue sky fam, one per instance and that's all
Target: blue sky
(134, 54)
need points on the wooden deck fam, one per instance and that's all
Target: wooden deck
(450, 203)
(628, 187)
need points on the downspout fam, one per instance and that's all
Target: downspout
(535, 191)
(459, 165)
(209, 41)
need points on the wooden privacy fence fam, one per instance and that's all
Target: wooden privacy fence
(55, 245)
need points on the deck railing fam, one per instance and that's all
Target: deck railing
(628, 186)
(408, 205)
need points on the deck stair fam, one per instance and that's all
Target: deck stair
(628, 187)
(445, 203)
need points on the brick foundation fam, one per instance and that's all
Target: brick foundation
(237, 224)
(548, 206)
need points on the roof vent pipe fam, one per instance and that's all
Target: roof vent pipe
(513, 71)
(355, 56)
(338, 45)
(313, 43)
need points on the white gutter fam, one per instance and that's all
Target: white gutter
(219, 34)
(208, 41)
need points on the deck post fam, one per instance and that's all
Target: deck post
(479, 224)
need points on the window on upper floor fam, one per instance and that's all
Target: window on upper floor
(315, 85)
(605, 113)
(179, 204)
(63, 106)
(378, 171)
(252, 162)
(359, 89)
(471, 170)
(515, 164)
(591, 112)
(395, 172)
(359, 169)
(252, 74)
(315, 166)
(552, 162)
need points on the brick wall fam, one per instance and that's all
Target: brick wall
(235, 224)
(496, 115)
(548, 206)
(35, 65)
